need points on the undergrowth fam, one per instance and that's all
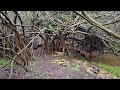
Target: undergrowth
(113, 70)
(3, 62)
(78, 56)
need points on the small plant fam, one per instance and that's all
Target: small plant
(82, 58)
(113, 70)
(78, 56)
(75, 67)
(3, 62)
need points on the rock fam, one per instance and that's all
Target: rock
(90, 70)
(93, 70)
(104, 75)
(96, 69)
(102, 72)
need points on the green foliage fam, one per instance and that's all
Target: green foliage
(29, 15)
(48, 24)
(82, 58)
(116, 44)
(119, 44)
(75, 66)
(78, 56)
(113, 70)
(66, 17)
(3, 62)
(110, 27)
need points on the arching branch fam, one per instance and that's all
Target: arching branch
(95, 23)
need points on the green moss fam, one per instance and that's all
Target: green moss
(113, 70)
(3, 62)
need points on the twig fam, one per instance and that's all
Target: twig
(11, 71)
(14, 60)
(28, 43)
(13, 52)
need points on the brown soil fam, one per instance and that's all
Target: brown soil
(48, 68)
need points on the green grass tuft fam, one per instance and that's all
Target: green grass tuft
(3, 62)
(113, 70)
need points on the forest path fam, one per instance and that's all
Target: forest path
(46, 67)
(62, 68)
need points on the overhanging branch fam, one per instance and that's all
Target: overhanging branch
(95, 23)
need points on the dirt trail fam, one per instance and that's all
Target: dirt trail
(57, 68)
(48, 69)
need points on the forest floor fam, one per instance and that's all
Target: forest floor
(64, 68)
(57, 68)
(46, 67)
